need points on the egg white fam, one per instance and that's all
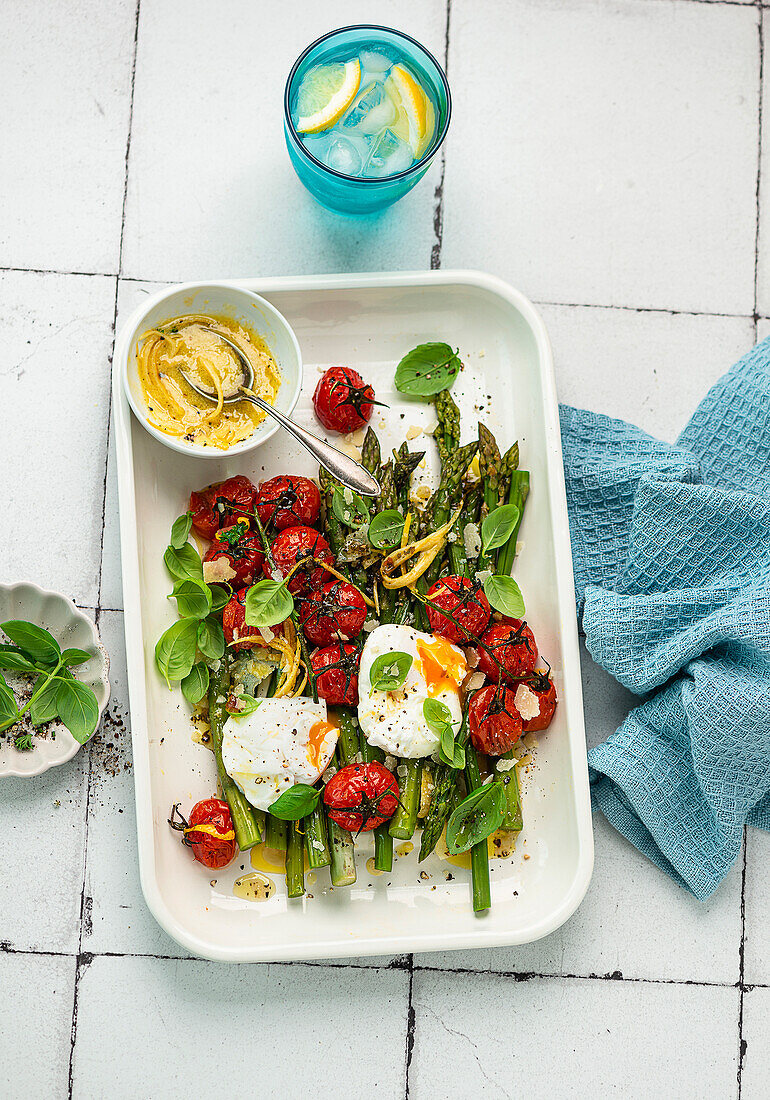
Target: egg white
(269, 751)
(394, 720)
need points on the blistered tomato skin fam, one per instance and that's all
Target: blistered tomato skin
(235, 555)
(287, 501)
(543, 687)
(343, 402)
(221, 504)
(296, 544)
(235, 626)
(495, 723)
(215, 846)
(359, 797)
(335, 612)
(465, 601)
(336, 671)
(514, 647)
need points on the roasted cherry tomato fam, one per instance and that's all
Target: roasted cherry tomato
(514, 647)
(292, 546)
(343, 402)
(209, 832)
(235, 556)
(541, 685)
(234, 624)
(494, 721)
(287, 501)
(361, 796)
(336, 669)
(333, 613)
(465, 601)
(220, 505)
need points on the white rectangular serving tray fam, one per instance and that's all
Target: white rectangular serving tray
(368, 322)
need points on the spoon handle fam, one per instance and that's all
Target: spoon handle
(339, 465)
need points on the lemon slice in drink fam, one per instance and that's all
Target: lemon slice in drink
(416, 118)
(325, 94)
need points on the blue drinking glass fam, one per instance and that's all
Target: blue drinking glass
(359, 194)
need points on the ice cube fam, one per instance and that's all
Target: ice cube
(374, 62)
(344, 155)
(372, 111)
(389, 155)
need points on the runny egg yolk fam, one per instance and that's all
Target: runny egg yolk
(442, 666)
(315, 740)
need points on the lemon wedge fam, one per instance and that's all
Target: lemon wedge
(416, 118)
(325, 94)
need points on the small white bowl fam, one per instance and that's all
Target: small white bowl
(219, 300)
(72, 630)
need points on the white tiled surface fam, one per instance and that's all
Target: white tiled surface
(603, 156)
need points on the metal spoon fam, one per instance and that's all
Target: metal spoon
(339, 465)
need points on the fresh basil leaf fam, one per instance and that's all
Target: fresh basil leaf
(437, 715)
(211, 638)
(504, 595)
(350, 508)
(184, 562)
(180, 530)
(193, 598)
(268, 603)
(297, 802)
(389, 671)
(498, 526)
(386, 529)
(8, 707)
(196, 683)
(427, 369)
(476, 817)
(37, 643)
(77, 708)
(44, 708)
(248, 705)
(175, 651)
(451, 754)
(219, 596)
(72, 657)
(15, 660)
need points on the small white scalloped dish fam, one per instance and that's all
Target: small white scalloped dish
(72, 630)
(367, 322)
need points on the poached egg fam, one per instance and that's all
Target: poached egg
(283, 742)
(394, 720)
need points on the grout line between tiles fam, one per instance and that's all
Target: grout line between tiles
(401, 962)
(646, 309)
(742, 965)
(761, 44)
(85, 902)
(57, 271)
(438, 194)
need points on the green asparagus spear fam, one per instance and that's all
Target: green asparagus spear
(517, 494)
(482, 897)
(245, 824)
(295, 861)
(404, 820)
(442, 798)
(510, 780)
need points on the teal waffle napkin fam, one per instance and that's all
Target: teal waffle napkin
(671, 550)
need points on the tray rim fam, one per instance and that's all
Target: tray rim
(480, 937)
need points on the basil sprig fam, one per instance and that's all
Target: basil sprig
(182, 650)
(56, 693)
(427, 369)
(438, 718)
(386, 529)
(498, 526)
(476, 817)
(298, 801)
(350, 508)
(268, 603)
(390, 670)
(505, 595)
